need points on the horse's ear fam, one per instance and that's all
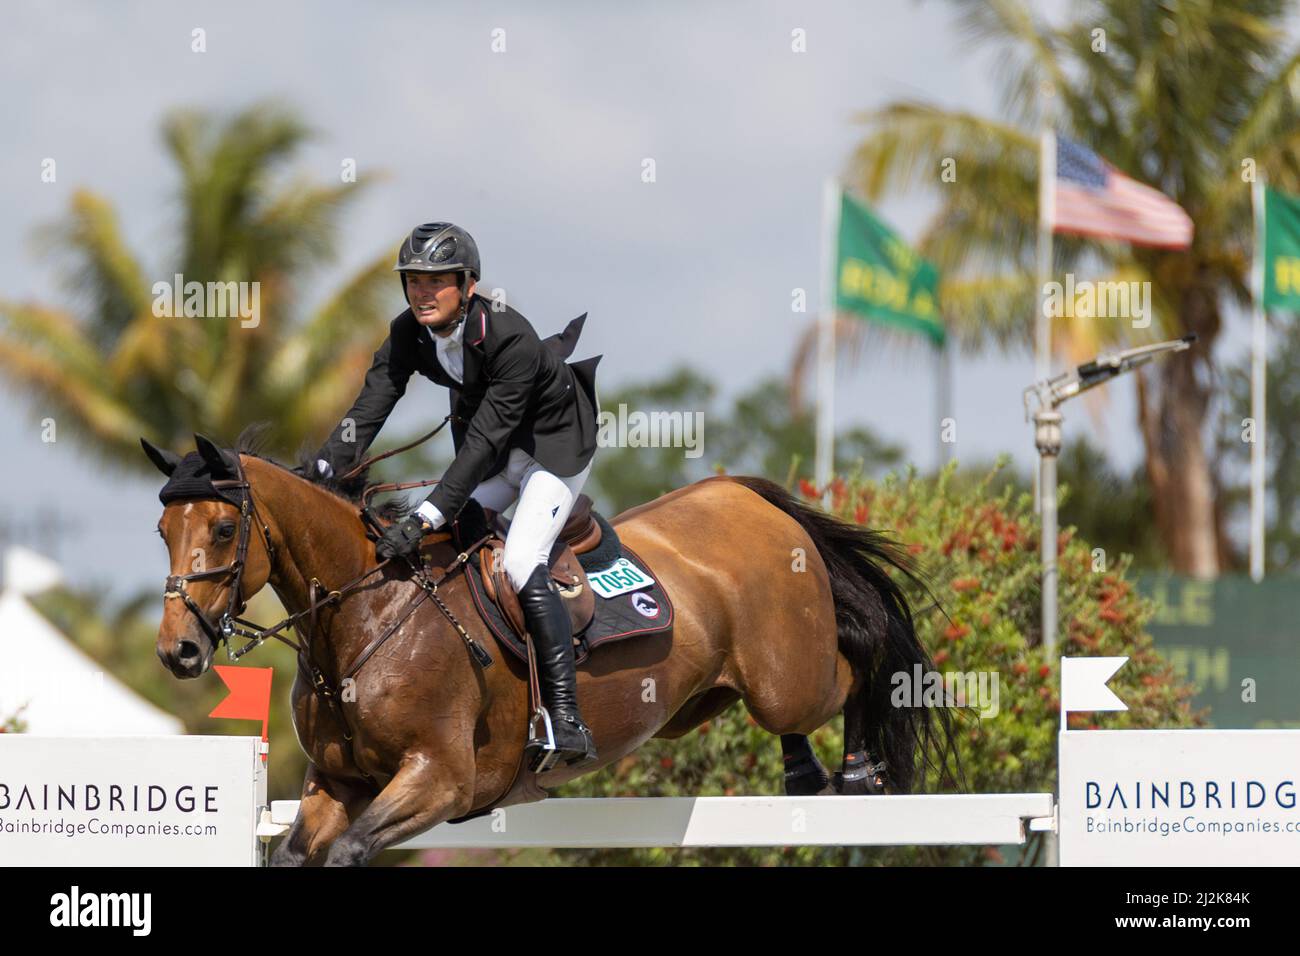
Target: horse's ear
(165, 461)
(218, 460)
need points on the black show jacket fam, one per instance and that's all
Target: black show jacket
(518, 392)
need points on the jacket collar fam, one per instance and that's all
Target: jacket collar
(476, 322)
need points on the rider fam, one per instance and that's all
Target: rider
(525, 429)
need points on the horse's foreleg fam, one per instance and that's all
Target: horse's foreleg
(328, 806)
(423, 793)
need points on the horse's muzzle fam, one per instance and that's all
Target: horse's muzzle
(188, 657)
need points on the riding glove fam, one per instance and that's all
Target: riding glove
(402, 539)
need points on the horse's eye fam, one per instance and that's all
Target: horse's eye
(225, 531)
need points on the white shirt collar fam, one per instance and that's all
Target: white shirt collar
(448, 341)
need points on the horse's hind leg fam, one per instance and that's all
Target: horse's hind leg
(421, 794)
(804, 773)
(862, 772)
(328, 805)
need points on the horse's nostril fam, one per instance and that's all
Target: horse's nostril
(187, 651)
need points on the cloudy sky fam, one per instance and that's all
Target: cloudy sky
(538, 152)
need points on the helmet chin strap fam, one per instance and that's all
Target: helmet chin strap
(461, 314)
(448, 325)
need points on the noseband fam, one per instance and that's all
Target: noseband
(229, 623)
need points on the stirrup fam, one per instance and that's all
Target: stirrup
(545, 754)
(547, 751)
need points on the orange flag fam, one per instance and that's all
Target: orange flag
(250, 693)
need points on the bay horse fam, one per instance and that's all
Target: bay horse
(777, 604)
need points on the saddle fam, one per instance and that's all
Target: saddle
(580, 534)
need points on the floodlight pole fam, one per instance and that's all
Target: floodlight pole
(1050, 394)
(1047, 439)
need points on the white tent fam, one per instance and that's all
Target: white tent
(65, 691)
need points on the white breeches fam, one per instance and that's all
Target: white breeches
(545, 501)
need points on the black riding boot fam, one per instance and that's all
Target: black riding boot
(552, 634)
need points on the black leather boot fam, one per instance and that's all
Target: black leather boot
(552, 634)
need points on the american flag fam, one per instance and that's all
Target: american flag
(1091, 198)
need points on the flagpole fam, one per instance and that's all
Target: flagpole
(826, 341)
(1046, 183)
(1047, 434)
(1258, 381)
(943, 400)
(1042, 323)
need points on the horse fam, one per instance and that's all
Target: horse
(777, 603)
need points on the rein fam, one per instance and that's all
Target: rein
(358, 469)
(230, 625)
(367, 515)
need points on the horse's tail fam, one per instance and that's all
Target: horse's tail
(855, 558)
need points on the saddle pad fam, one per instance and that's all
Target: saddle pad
(643, 611)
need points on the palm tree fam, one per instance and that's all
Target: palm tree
(1185, 97)
(110, 370)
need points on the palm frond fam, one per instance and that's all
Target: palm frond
(98, 269)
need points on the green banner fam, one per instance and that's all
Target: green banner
(1281, 251)
(1236, 641)
(879, 277)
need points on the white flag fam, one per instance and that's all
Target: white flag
(1083, 684)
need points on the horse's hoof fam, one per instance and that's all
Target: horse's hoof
(869, 786)
(809, 784)
(282, 856)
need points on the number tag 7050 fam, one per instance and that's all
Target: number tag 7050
(619, 578)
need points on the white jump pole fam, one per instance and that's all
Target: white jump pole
(624, 822)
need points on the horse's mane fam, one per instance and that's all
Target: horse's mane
(252, 440)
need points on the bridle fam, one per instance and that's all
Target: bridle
(229, 623)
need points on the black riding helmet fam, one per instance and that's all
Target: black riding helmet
(439, 247)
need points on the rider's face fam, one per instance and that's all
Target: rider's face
(435, 299)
